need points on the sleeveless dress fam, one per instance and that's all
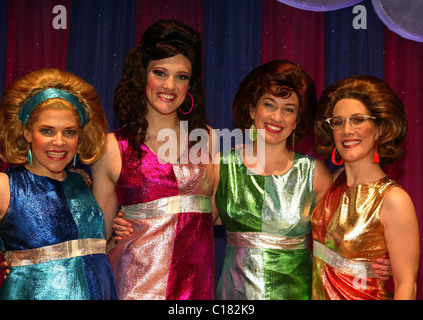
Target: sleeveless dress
(53, 235)
(348, 238)
(170, 255)
(267, 219)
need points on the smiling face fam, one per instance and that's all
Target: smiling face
(354, 144)
(277, 116)
(54, 142)
(167, 83)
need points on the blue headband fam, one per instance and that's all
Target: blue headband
(47, 94)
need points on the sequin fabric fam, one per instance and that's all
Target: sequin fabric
(277, 208)
(44, 212)
(347, 223)
(171, 253)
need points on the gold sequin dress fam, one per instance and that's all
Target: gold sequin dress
(348, 237)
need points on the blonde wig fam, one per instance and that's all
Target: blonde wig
(14, 147)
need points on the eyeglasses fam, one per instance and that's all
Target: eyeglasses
(336, 123)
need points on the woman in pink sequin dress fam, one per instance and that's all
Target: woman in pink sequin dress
(170, 255)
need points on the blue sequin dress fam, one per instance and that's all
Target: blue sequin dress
(45, 212)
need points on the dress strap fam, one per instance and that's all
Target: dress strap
(63, 250)
(265, 240)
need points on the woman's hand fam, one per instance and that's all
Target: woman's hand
(383, 268)
(5, 267)
(122, 228)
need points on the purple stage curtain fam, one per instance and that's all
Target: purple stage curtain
(149, 12)
(32, 42)
(3, 44)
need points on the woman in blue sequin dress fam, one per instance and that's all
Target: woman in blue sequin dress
(52, 230)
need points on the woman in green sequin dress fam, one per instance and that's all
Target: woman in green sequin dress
(266, 205)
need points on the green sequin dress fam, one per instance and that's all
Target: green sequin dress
(267, 219)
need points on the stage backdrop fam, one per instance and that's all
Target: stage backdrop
(92, 38)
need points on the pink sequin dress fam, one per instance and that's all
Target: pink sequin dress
(171, 252)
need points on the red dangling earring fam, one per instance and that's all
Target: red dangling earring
(376, 155)
(334, 160)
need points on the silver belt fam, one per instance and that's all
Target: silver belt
(353, 268)
(168, 205)
(266, 240)
(63, 250)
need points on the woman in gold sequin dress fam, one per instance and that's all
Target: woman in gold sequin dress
(361, 122)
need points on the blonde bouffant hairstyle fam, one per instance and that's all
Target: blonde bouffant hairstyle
(14, 147)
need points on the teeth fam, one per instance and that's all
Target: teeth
(56, 154)
(273, 127)
(166, 96)
(351, 143)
